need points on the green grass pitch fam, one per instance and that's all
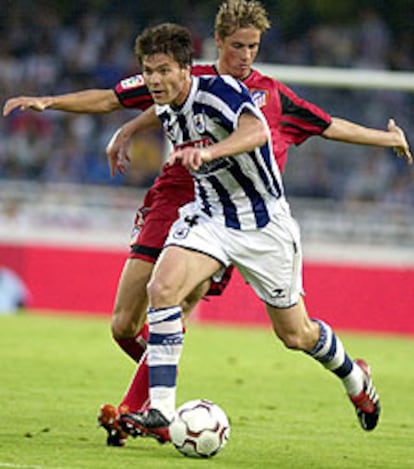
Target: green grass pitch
(286, 411)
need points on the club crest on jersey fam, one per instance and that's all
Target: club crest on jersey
(132, 82)
(199, 123)
(259, 97)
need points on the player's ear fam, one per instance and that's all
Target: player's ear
(186, 70)
(218, 41)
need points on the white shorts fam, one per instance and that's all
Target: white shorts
(269, 259)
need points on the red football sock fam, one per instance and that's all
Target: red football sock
(135, 346)
(137, 395)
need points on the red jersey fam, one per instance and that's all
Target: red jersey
(291, 119)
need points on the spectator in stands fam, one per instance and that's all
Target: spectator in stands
(65, 49)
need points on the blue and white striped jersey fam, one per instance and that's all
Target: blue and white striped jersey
(242, 189)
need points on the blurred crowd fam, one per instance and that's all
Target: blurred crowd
(47, 51)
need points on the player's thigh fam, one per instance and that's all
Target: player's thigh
(272, 262)
(177, 273)
(131, 298)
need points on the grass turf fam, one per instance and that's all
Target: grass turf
(285, 410)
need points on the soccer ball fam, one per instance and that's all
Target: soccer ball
(199, 429)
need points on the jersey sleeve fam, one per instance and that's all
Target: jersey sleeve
(234, 98)
(300, 119)
(199, 70)
(133, 93)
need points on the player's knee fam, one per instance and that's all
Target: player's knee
(122, 328)
(160, 293)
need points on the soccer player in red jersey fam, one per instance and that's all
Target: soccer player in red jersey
(239, 27)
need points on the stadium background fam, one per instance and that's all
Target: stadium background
(64, 223)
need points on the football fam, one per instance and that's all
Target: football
(199, 429)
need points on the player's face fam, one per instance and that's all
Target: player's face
(238, 52)
(167, 82)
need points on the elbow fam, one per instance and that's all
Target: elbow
(259, 134)
(111, 102)
(264, 135)
(111, 106)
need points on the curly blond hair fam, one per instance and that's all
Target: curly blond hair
(236, 14)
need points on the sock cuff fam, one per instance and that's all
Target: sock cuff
(324, 337)
(156, 315)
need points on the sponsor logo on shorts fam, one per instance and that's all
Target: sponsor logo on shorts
(278, 293)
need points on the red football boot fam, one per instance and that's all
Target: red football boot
(367, 404)
(108, 419)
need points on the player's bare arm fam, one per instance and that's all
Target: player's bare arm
(88, 101)
(250, 133)
(118, 147)
(394, 137)
(26, 102)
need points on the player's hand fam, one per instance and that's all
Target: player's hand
(191, 158)
(402, 149)
(117, 152)
(26, 102)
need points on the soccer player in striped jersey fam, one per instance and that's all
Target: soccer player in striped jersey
(238, 29)
(240, 217)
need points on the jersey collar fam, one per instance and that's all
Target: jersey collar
(190, 97)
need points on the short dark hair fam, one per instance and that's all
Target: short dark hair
(166, 38)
